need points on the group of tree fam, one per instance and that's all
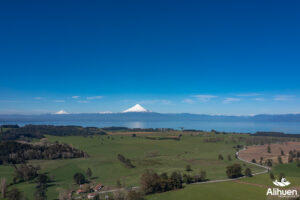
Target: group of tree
(261, 139)
(41, 188)
(117, 128)
(14, 194)
(275, 135)
(293, 155)
(234, 171)
(151, 182)
(13, 152)
(79, 178)
(38, 131)
(188, 179)
(125, 161)
(25, 172)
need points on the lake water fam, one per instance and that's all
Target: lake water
(245, 127)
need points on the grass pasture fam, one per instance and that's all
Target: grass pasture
(213, 191)
(246, 189)
(160, 155)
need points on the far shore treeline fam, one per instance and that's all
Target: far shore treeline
(28, 132)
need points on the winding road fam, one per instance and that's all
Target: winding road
(206, 182)
(267, 169)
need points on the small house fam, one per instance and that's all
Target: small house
(79, 191)
(98, 187)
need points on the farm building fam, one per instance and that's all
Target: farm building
(98, 187)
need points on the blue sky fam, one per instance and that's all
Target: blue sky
(212, 57)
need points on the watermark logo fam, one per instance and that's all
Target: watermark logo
(280, 192)
(282, 183)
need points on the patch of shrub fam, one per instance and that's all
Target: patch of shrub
(125, 161)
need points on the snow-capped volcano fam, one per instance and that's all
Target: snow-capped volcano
(136, 108)
(61, 112)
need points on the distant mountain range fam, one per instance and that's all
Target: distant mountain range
(146, 116)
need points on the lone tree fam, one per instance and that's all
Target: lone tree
(281, 175)
(229, 157)
(88, 172)
(290, 158)
(119, 185)
(248, 172)
(282, 152)
(3, 188)
(234, 171)
(42, 180)
(220, 157)
(279, 160)
(269, 162)
(261, 159)
(188, 168)
(272, 176)
(253, 160)
(203, 175)
(79, 178)
(269, 149)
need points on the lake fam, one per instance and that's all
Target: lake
(245, 127)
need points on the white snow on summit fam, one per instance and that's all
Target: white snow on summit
(136, 108)
(61, 112)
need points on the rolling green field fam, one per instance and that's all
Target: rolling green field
(159, 155)
(246, 189)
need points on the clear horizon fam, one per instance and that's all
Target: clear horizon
(217, 58)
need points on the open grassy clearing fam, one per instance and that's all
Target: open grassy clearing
(159, 155)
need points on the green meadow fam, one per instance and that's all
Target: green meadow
(160, 155)
(246, 189)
